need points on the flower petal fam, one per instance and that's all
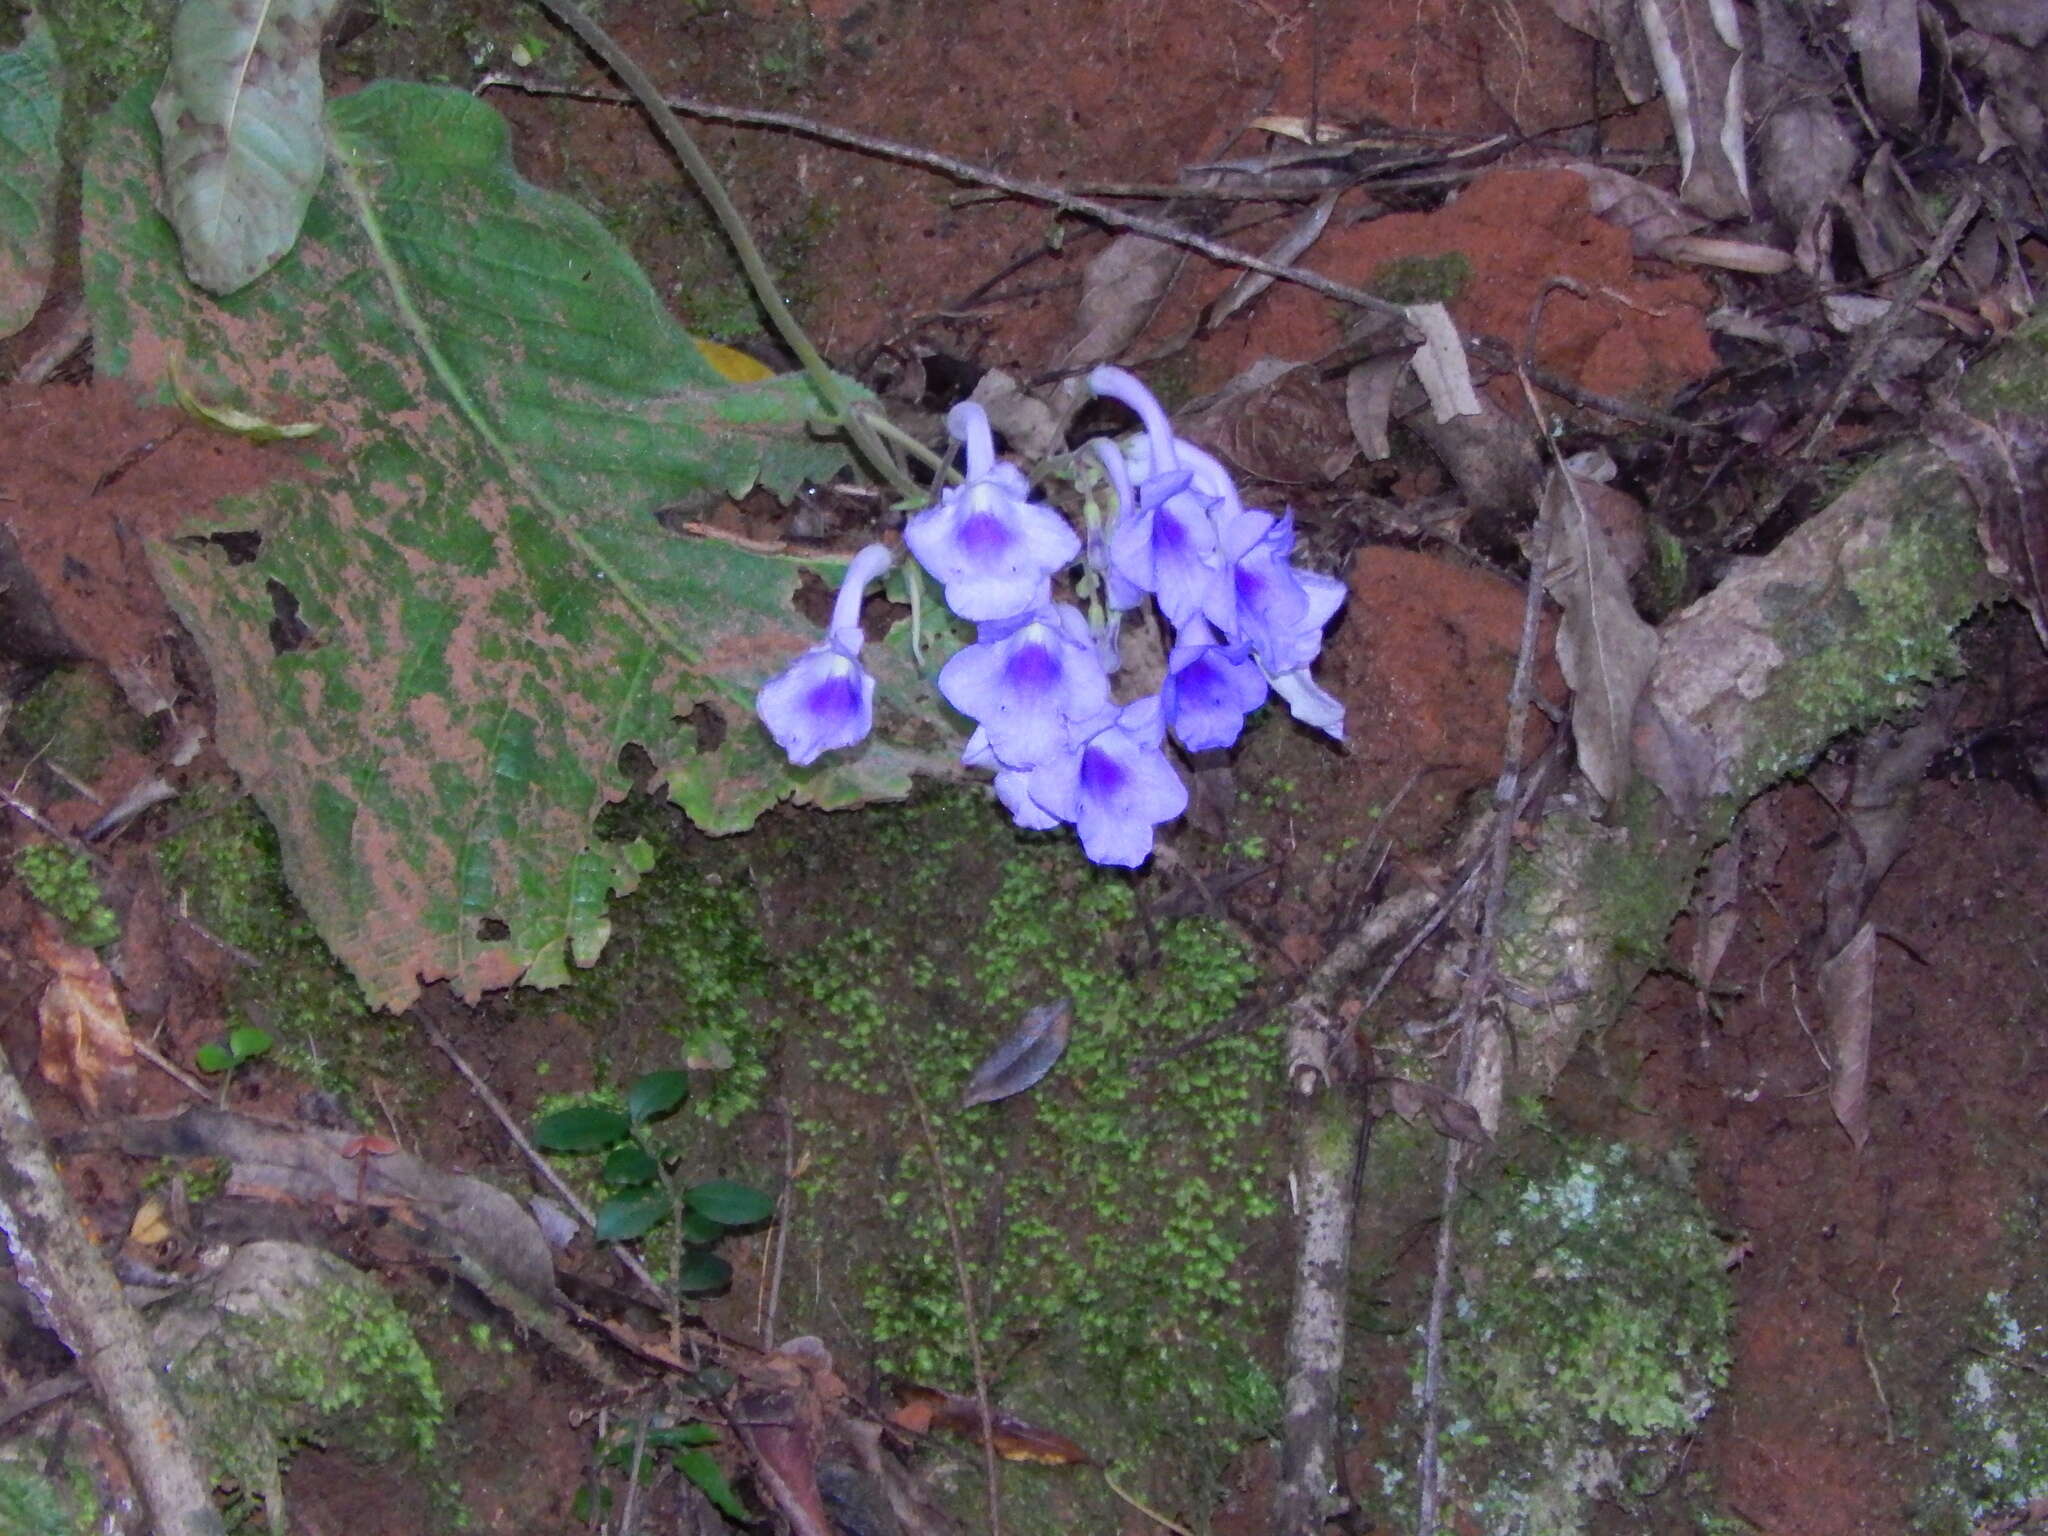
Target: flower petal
(991, 546)
(1209, 689)
(820, 702)
(1308, 703)
(1116, 786)
(1026, 681)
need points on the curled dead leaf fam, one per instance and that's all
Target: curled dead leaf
(1847, 986)
(85, 1050)
(1024, 1057)
(1603, 645)
(921, 1410)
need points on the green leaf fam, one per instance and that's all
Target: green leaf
(245, 1042)
(240, 112)
(728, 1203)
(213, 1058)
(702, 1272)
(625, 1217)
(630, 1165)
(486, 607)
(586, 1128)
(700, 1468)
(699, 1228)
(682, 1436)
(652, 1096)
(31, 99)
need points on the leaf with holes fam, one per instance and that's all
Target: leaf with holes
(31, 96)
(457, 618)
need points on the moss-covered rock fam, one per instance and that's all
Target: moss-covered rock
(288, 1345)
(1997, 1414)
(1590, 1337)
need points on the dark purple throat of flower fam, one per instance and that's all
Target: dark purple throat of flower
(836, 698)
(1102, 777)
(985, 536)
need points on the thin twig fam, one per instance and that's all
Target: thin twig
(169, 1068)
(782, 1225)
(967, 1308)
(1874, 336)
(1144, 1509)
(541, 1165)
(1066, 201)
(629, 1512)
(823, 380)
(1478, 982)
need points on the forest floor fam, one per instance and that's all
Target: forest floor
(1860, 1276)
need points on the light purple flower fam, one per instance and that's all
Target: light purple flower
(1165, 541)
(824, 699)
(1116, 786)
(1260, 597)
(1026, 681)
(1308, 703)
(1012, 786)
(992, 547)
(1209, 689)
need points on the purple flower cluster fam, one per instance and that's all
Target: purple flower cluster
(1036, 681)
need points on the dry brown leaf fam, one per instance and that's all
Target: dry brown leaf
(1276, 421)
(1847, 985)
(1615, 23)
(1805, 155)
(1651, 215)
(275, 1162)
(923, 1409)
(1440, 364)
(2004, 463)
(1716, 911)
(1306, 229)
(1886, 37)
(1697, 47)
(2017, 21)
(1451, 1117)
(85, 1050)
(1604, 648)
(1369, 402)
(1119, 292)
(150, 1225)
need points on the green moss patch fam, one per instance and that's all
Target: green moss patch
(1110, 1215)
(1590, 1337)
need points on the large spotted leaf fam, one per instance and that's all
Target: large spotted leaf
(31, 95)
(450, 623)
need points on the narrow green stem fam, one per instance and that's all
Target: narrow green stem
(622, 64)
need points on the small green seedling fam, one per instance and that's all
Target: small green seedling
(642, 1190)
(243, 1045)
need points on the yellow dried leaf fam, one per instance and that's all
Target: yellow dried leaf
(150, 1225)
(732, 363)
(85, 1049)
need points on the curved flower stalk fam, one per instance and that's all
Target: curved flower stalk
(825, 699)
(1165, 541)
(993, 548)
